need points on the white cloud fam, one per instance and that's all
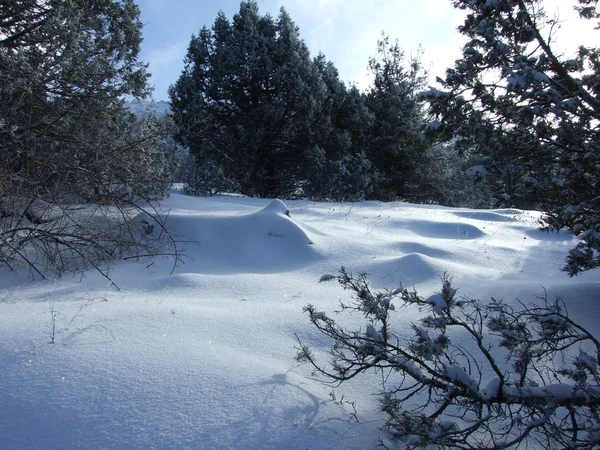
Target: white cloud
(347, 31)
(438, 8)
(364, 80)
(164, 57)
(436, 59)
(321, 5)
(571, 31)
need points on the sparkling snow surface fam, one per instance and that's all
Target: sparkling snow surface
(204, 358)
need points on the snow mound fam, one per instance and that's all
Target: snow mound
(485, 216)
(445, 230)
(274, 221)
(276, 207)
(202, 358)
(181, 282)
(416, 247)
(258, 242)
(510, 211)
(411, 269)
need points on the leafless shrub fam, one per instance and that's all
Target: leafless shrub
(71, 238)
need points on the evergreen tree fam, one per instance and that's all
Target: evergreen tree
(531, 113)
(251, 102)
(207, 178)
(64, 69)
(397, 146)
(246, 101)
(338, 168)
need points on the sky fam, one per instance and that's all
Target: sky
(346, 31)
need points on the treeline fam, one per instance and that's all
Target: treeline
(262, 117)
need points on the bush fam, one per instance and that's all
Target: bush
(208, 178)
(63, 238)
(77, 168)
(519, 375)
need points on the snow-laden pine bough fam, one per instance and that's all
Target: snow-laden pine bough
(474, 375)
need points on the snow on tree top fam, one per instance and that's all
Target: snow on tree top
(433, 92)
(438, 303)
(458, 374)
(491, 389)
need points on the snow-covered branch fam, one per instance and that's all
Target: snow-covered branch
(509, 375)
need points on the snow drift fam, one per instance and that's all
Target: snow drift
(204, 358)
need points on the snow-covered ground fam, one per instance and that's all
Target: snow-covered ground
(204, 358)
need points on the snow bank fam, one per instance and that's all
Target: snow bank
(265, 241)
(204, 358)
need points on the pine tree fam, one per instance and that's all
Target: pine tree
(397, 146)
(246, 101)
(531, 113)
(337, 167)
(64, 70)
